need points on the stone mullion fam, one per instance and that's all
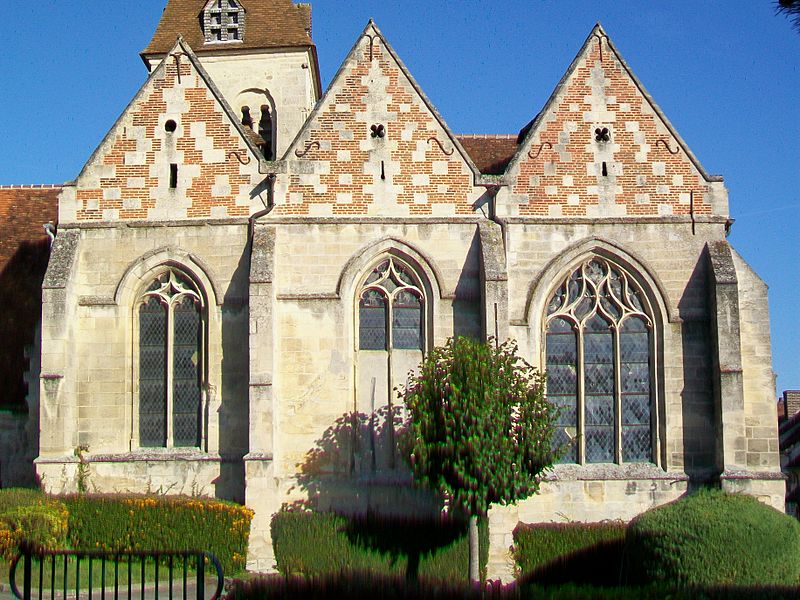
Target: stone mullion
(170, 369)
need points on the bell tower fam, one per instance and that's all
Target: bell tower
(259, 54)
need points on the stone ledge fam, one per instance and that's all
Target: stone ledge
(609, 472)
(258, 456)
(149, 455)
(752, 475)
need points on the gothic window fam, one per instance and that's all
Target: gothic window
(599, 346)
(390, 310)
(223, 21)
(170, 316)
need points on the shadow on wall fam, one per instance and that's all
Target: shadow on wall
(20, 312)
(356, 468)
(699, 430)
(467, 302)
(234, 413)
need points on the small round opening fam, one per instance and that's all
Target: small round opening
(170, 126)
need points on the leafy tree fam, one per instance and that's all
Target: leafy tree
(479, 428)
(791, 8)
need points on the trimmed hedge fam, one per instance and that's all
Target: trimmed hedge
(579, 553)
(712, 538)
(129, 523)
(30, 516)
(321, 544)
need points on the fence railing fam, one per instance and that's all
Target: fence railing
(67, 574)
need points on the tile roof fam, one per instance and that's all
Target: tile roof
(490, 153)
(268, 24)
(24, 252)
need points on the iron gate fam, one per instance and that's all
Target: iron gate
(67, 574)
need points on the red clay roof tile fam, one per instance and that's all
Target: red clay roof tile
(268, 24)
(490, 153)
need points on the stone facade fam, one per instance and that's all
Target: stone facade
(281, 260)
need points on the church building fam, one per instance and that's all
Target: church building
(248, 266)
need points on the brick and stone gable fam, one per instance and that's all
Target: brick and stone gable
(175, 153)
(375, 146)
(602, 148)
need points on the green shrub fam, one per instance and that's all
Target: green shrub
(28, 516)
(556, 553)
(164, 523)
(320, 544)
(712, 538)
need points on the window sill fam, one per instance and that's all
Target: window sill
(612, 472)
(156, 455)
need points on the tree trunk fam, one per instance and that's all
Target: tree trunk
(474, 550)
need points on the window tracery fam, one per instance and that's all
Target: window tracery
(599, 346)
(170, 319)
(391, 308)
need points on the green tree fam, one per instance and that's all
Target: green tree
(790, 8)
(479, 429)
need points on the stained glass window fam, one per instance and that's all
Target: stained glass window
(391, 309)
(170, 366)
(599, 360)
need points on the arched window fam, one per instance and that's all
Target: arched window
(599, 347)
(170, 317)
(390, 312)
(223, 21)
(390, 324)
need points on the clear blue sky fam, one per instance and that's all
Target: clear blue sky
(725, 73)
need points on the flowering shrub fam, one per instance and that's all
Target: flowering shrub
(30, 516)
(130, 523)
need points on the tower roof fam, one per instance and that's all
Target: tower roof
(269, 24)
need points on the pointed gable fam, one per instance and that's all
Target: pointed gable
(602, 148)
(376, 146)
(176, 152)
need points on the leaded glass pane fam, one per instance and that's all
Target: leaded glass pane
(403, 274)
(635, 410)
(585, 306)
(575, 285)
(407, 321)
(378, 272)
(372, 321)
(152, 374)
(636, 444)
(186, 373)
(599, 410)
(599, 444)
(596, 271)
(636, 403)
(562, 383)
(557, 300)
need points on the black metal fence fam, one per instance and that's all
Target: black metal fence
(72, 575)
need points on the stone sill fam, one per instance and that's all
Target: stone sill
(753, 475)
(143, 455)
(612, 472)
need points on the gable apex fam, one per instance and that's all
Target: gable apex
(372, 33)
(599, 36)
(180, 49)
